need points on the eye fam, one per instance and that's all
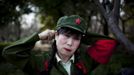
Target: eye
(67, 35)
(76, 37)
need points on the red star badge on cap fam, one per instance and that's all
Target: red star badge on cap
(78, 21)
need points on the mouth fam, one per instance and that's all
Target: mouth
(69, 50)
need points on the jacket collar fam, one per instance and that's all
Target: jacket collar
(59, 59)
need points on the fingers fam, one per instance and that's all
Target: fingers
(47, 34)
(50, 34)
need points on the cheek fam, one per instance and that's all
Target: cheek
(76, 44)
(60, 40)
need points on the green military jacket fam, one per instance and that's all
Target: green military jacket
(20, 54)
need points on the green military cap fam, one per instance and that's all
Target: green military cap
(74, 22)
(78, 23)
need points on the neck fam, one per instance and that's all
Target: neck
(64, 58)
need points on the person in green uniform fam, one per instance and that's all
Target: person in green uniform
(73, 50)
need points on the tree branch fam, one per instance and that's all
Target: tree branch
(116, 7)
(102, 10)
(112, 19)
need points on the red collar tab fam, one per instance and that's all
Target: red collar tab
(78, 21)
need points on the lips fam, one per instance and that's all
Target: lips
(69, 50)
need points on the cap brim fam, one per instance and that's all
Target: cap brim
(71, 27)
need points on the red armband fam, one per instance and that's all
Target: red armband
(102, 50)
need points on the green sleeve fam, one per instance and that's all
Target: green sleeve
(90, 38)
(18, 53)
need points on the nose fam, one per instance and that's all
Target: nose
(70, 42)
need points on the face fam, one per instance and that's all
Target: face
(67, 44)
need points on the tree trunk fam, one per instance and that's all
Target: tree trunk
(112, 19)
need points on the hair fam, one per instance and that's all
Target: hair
(52, 61)
(66, 30)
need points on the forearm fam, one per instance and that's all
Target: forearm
(91, 38)
(18, 53)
